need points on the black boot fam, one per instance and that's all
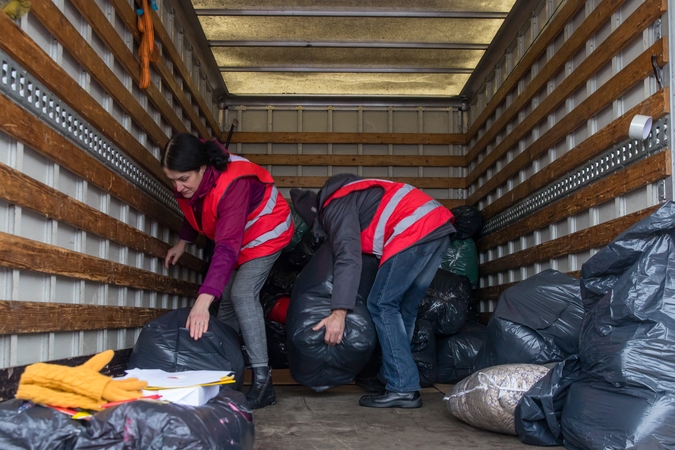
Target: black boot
(261, 393)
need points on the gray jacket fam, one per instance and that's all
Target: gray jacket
(342, 222)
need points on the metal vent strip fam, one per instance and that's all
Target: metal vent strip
(618, 157)
(30, 94)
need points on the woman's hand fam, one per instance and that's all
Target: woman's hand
(174, 253)
(198, 320)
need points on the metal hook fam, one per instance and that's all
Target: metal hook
(657, 71)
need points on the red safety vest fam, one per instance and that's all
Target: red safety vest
(405, 215)
(269, 228)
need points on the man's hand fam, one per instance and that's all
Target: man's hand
(335, 326)
(198, 320)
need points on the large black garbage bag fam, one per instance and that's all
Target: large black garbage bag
(536, 321)
(24, 425)
(446, 302)
(599, 415)
(628, 288)
(312, 362)
(468, 221)
(423, 349)
(222, 423)
(166, 344)
(538, 414)
(455, 355)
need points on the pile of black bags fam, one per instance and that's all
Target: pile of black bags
(619, 392)
(223, 423)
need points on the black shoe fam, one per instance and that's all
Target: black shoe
(261, 393)
(372, 385)
(392, 400)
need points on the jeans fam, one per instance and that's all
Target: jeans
(240, 306)
(400, 284)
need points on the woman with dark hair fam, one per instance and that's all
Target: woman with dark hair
(236, 204)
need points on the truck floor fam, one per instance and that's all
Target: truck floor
(304, 419)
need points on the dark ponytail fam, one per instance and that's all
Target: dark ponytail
(185, 152)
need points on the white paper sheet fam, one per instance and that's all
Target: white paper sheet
(160, 379)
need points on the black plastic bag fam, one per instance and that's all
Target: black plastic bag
(312, 362)
(446, 302)
(423, 348)
(166, 344)
(303, 252)
(277, 348)
(597, 415)
(468, 222)
(455, 355)
(223, 423)
(538, 414)
(628, 334)
(24, 425)
(536, 321)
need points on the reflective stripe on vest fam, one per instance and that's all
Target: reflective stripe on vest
(404, 216)
(269, 227)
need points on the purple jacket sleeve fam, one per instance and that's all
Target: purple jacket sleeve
(232, 212)
(187, 233)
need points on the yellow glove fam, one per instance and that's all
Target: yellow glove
(52, 397)
(84, 380)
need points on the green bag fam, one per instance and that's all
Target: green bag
(300, 229)
(462, 259)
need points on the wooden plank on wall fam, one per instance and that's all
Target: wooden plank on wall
(18, 45)
(26, 192)
(347, 138)
(577, 41)
(9, 377)
(419, 182)
(19, 317)
(556, 26)
(129, 17)
(107, 33)
(179, 65)
(593, 237)
(639, 174)
(356, 160)
(655, 106)
(30, 130)
(493, 292)
(622, 81)
(21, 253)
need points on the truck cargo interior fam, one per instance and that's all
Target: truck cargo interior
(542, 125)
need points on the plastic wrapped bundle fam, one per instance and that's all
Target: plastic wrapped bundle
(166, 344)
(311, 361)
(537, 321)
(468, 221)
(446, 302)
(487, 399)
(223, 423)
(302, 253)
(424, 351)
(455, 355)
(462, 258)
